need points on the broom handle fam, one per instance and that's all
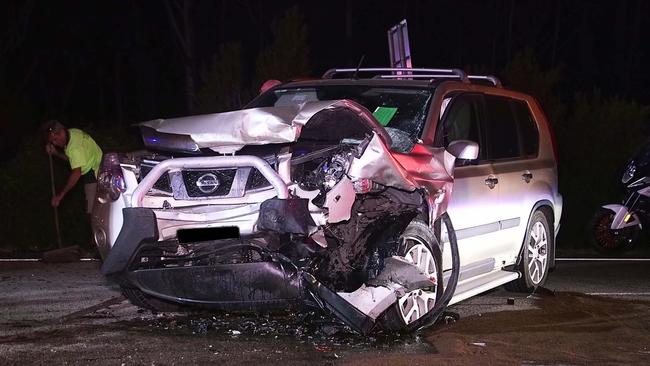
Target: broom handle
(56, 211)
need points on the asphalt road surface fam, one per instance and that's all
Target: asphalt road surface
(588, 313)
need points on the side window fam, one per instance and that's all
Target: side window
(461, 120)
(527, 128)
(502, 138)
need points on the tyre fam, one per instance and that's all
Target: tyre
(607, 241)
(534, 262)
(142, 300)
(419, 246)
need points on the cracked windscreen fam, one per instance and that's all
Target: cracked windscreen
(396, 108)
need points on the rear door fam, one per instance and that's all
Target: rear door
(511, 147)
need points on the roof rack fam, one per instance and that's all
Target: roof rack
(493, 79)
(415, 73)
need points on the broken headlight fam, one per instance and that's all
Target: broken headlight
(322, 169)
(110, 181)
(334, 169)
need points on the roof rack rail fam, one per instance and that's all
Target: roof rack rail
(417, 73)
(408, 72)
(491, 78)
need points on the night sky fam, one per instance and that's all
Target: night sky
(107, 62)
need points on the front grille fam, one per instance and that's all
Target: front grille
(201, 183)
(256, 180)
(162, 184)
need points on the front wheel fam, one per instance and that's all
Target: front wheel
(607, 241)
(418, 246)
(534, 262)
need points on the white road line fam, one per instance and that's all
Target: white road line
(38, 260)
(602, 259)
(19, 260)
(618, 293)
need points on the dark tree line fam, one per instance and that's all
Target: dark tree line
(103, 65)
(123, 61)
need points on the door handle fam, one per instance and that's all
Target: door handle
(527, 177)
(491, 182)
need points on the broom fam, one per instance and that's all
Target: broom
(62, 254)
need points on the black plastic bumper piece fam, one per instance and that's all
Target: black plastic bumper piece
(339, 306)
(285, 216)
(139, 226)
(242, 287)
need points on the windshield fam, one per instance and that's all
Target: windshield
(399, 108)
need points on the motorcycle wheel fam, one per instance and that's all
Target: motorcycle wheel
(607, 241)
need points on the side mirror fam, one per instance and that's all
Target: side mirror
(463, 149)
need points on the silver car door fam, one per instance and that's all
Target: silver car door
(475, 196)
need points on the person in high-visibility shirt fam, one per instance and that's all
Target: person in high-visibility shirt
(83, 154)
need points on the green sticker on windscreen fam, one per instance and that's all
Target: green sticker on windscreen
(384, 114)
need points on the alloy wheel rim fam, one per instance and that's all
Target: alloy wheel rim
(537, 252)
(417, 303)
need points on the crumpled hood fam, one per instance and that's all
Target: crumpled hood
(230, 131)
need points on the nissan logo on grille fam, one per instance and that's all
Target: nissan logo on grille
(208, 183)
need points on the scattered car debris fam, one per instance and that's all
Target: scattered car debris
(449, 317)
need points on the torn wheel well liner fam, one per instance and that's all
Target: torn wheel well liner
(377, 220)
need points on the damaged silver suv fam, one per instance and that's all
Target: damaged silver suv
(381, 199)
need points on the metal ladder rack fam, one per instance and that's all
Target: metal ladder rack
(415, 73)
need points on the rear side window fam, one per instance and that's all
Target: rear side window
(527, 128)
(502, 137)
(511, 129)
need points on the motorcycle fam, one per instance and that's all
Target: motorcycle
(616, 228)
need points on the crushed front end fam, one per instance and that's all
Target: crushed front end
(275, 208)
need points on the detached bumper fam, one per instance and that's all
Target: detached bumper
(230, 287)
(272, 283)
(243, 286)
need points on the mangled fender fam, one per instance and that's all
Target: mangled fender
(377, 163)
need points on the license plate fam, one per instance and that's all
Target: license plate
(207, 234)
